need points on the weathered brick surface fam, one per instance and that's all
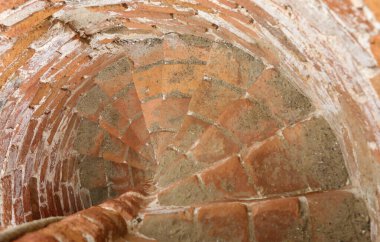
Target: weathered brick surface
(338, 216)
(215, 100)
(279, 220)
(228, 222)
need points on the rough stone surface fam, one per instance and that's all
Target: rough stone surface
(230, 120)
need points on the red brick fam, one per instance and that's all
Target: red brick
(27, 141)
(65, 199)
(160, 140)
(118, 173)
(273, 170)
(249, 121)
(72, 199)
(183, 78)
(10, 5)
(12, 158)
(57, 176)
(85, 198)
(44, 169)
(28, 217)
(69, 129)
(91, 103)
(6, 184)
(17, 183)
(184, 47)
(211, 99)
(129, 104)
(165, 114)
(78, 201)
(230, 179)
(140, 176)
(184, 192)
(148, 82)
(5, 141)
(278, 220)
(7, 110)
(44, 210)
(92, 172)
(58, 106)
(50, 199)
(281, 97)
(315, 148)
(214, 146)
(224, 221)
(71, 167)
(64, 170)
(18, 211)
(30, 167)
(58, 205)
(338, 216)
(137, 134)
(33, 190)
(54, 128)
(113, 84)
(39, 134)
(232, 65)
(191, 129)
(113, 149)
(43, 91)
(171, 226)
(88, 138)
(26, 199)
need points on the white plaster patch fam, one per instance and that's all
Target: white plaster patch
(91, 3)
(11, 17)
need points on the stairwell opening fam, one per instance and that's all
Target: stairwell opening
(177, 129)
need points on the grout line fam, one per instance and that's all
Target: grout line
(251, 225)
(305, 214)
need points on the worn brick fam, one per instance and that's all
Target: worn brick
(171, 227)
(211, 99)
(249, 121)
(224, 221)
(338, 216)
(280, 96)
(6, 184)
(229, 179)
(279, 220)
(214, 145)
(233, 65)
(272, 170)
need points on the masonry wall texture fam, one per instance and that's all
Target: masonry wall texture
(190, 120)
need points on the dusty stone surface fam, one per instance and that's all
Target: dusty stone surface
(323, 156)
(349, 218)
(171, 228)
(123, 84)
(90, 103)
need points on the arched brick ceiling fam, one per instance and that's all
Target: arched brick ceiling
(252, 120)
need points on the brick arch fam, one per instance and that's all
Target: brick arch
(83, 123)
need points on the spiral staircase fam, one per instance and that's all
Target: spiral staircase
(165, 131)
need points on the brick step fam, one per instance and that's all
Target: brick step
(326, 216)
(302, 158)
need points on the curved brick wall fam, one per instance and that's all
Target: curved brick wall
(190, 120)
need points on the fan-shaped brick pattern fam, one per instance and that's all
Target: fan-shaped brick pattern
(150, 121)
